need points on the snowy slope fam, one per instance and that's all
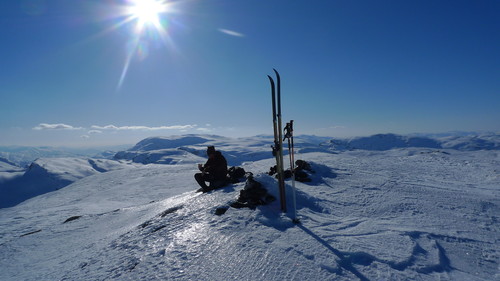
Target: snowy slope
(401, 214)
(8, 170)
(49, 174)
(6, 165)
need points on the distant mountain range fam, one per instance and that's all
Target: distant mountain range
(391, 141)
(170, 150)
(23, 156)
(54, 168)
(157, 149)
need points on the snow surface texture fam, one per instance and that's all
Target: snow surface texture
(399, 214)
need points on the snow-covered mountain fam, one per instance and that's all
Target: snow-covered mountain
(8, 170)
(469, 143)
(5, 164)
(192, 149)
(391, 141)
(18, 185)
(23, 156)
(411, 213)
(49, 174)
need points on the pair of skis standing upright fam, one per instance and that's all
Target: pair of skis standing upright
(278, 145)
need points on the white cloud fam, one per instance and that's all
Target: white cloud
(143, 128)
(231, 32)
(337, 127)
(108, 127)
(206, 130)
(60, 126)
(94, 132)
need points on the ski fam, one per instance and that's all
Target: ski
(278, 142)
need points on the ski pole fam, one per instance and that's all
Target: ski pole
(289, 136)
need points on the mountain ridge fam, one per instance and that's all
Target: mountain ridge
(17, 184)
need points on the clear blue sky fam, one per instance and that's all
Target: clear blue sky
(78, 73)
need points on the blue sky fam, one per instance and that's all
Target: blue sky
(78, 73)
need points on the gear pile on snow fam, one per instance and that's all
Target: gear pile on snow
(302, 171)
(252, 195)
(235, 174)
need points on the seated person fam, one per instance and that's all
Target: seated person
(213, 171)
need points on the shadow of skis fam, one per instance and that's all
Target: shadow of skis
(344, 262)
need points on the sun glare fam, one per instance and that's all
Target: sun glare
(151, 23)
(147, 11)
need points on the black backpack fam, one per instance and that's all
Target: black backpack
(235, 174)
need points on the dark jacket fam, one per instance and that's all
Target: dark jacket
(216, 166)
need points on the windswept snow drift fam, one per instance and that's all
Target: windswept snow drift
(399, 214)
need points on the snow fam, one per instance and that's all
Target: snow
(49, 174)
(391, 141)
(9, 170)
(23, 156)
(404, 213)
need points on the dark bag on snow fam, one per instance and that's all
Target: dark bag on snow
(235, 174)
(253, 194)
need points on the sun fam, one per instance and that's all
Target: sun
(147, 12)
(150, 19)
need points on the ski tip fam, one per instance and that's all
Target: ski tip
(277, 74)
(271, 80)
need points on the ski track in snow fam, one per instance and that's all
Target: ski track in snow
(403, 214)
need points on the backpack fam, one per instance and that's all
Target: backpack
(253, 192)
(235, 174)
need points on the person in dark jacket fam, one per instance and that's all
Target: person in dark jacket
(213, 171)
